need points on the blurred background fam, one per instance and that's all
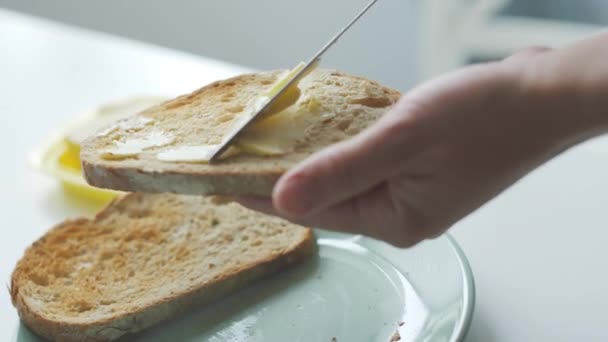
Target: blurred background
(399, 43)
(48, 76)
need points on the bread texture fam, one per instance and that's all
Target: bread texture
(336, 105)
(146, 258)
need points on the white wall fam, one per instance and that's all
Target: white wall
(264, 34)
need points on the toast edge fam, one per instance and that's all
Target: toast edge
(164, 309)
(215, 183)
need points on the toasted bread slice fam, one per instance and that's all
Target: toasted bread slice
(144, 259)
(332, 106)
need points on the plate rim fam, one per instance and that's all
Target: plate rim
(468, 292)
(468, 289)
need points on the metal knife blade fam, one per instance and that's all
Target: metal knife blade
(240, 126)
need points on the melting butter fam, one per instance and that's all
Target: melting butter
(272, 134)
(193, 154)
(132, 147)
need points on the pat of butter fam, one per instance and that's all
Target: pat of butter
(194, 154)
(132, 147)
(272, 134)
(200, 153)
(288, 77)
(290, 95)
(275, 135)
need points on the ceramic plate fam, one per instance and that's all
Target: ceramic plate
(356, 289)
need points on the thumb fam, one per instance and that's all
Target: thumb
(346, 169)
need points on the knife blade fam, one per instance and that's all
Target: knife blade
(217, 150)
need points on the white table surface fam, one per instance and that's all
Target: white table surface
(538, 251)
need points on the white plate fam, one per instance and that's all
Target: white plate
(357, 289)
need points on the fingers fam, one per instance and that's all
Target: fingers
(337, 218)
(372, 214)
(528, 52)
(344, 170)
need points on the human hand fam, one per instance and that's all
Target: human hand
(449, 146)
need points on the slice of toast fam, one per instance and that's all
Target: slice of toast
(146, 258)
(332, 106)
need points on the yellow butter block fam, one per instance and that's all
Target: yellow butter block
(60, 157)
